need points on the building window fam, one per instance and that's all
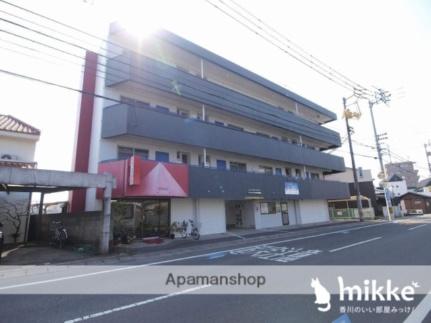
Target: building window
(287, 170)
(315, 176)
(232, 126)
(262, 134)
(162, 156)
(265, 170)
(183, 113)
(297, 172)
(127, 152)
(221, 164)
(278, 171)
(268, 208)
(183, 157)
(238, 167)
(201, 160)
(162, 109)
(219, 123)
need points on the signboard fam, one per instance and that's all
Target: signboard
(291, 188)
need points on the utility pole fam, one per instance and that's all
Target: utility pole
(428, 154)
(348, 115)
(380, 96)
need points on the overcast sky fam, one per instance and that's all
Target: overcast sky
(376, 43)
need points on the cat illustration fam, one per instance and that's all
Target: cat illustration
(322, 295)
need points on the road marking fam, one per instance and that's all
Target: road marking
(355, 244)
(126, 307)
(420, 311)
(418, 226)
(182, 258)
(236, 235)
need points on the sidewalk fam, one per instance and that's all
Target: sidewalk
(34, 254)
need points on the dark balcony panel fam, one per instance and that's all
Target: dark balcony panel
(163, 77)
(212, 183)
(224, 63)
(123, 119)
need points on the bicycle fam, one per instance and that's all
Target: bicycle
(194, 232)
(59, 235)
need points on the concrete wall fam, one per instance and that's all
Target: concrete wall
(81, 228)
(267, 220)
(208, 213)
(8, 202)
(313, 211)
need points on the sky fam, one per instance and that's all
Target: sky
(382, 43)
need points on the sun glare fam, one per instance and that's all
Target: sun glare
(143, 21)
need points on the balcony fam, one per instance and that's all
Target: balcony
(148, 72)
(125, 120)
(214, 183)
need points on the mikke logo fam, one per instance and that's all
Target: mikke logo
(371, 290)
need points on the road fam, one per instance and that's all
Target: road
(404, 242)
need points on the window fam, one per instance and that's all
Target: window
(262, 134)
(287, 170)
(265, 170)
(315, 176)
(162, 156)
(221, 164)
(297, 172)
(219, 123)
(161, 108)
(127, 152)
(201, 160)
(278, 171)
(238, 167)
(183, 157)
(183, 113)
(268, 208)
(232, 126)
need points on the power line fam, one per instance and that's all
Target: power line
(124, 73)
(337, 77)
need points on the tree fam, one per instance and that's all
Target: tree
(13, 211)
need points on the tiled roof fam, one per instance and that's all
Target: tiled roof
(12, 124)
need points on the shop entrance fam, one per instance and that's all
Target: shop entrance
(284, 213)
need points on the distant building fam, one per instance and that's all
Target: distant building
(404, 170)
(365, 180)
(397, 186)
(415, 203)
(425, 185)
(17, 147)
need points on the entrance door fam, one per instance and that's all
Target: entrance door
(284, 213)
(155, 218)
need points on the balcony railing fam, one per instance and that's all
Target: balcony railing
(123, 119)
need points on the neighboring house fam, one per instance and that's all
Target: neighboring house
(366, 185)
(199, 137)
(415, 203)
(404, 170)
(425, 185)
(17, 147)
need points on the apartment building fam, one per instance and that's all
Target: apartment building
(192, 135)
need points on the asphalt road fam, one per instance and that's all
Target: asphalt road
(405, 242)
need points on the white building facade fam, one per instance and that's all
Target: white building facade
(191, 135)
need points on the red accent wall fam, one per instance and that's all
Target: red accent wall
(83, 141)
(155, 179)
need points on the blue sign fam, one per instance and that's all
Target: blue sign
(291, 188)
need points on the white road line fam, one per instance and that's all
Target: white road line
(183, 258)
(355, 244)
(420, 311)
(418, 226)
(126, 307)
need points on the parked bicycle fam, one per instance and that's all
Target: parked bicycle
(59, 234)
(193, 233)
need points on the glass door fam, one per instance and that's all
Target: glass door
(284, 213)
(155, 218)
